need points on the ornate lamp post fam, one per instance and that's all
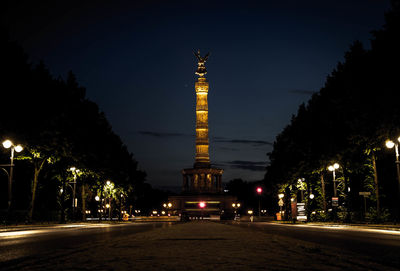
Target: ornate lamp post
(280, 202)
(18, 148)
(236, 206)
(109, 187)
(74, 171)
(333, 168)
(335, 200)
(300, 186)
(390, 144)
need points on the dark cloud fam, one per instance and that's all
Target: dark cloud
(247, 165)
(162, 134)
(302, 91)
(228, 149)
(218, 165)
(217, 139)
(242, 141)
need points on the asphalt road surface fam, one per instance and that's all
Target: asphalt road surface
(199, 246)
(381, 245)
(17, 246)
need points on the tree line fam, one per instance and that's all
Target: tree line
(60, 129)
(347, 122)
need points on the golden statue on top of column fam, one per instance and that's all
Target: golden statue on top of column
(201, 69)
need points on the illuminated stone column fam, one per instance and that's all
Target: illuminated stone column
(202, 154)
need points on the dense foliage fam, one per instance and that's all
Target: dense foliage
(347, 122)
(59, 128)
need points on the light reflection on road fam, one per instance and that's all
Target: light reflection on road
(342, 227)
(15, 233)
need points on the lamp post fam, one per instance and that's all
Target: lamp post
(74, 171)
(236, 206)
(120, 207)
(169, 208)
(108, 206)
(280, 202)
(333, 169)
(335, 200)
(390, 144)
(300, 186)
(97, 199)
(109, 186)
(259, 191)
(309, 204)
(18, 148)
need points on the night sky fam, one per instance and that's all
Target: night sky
(136, 61)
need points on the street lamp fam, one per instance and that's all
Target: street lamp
(169, 205)
(390, 144)
(280, 202)
(335, 199)
(300, 186)
(333, 168)
(74, 171)
(18, 148)
(109, 186)
(235, 206)
(259, 191)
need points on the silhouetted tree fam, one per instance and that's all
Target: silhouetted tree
(347, 122)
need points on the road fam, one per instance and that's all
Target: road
(381, 245)
(199, 246)
(17, 246)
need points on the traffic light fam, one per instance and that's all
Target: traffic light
(202, 204)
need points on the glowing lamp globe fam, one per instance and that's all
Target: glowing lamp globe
(7, 144)
(389, 144)
(18, 148)
(259, 190)
(202, 204)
